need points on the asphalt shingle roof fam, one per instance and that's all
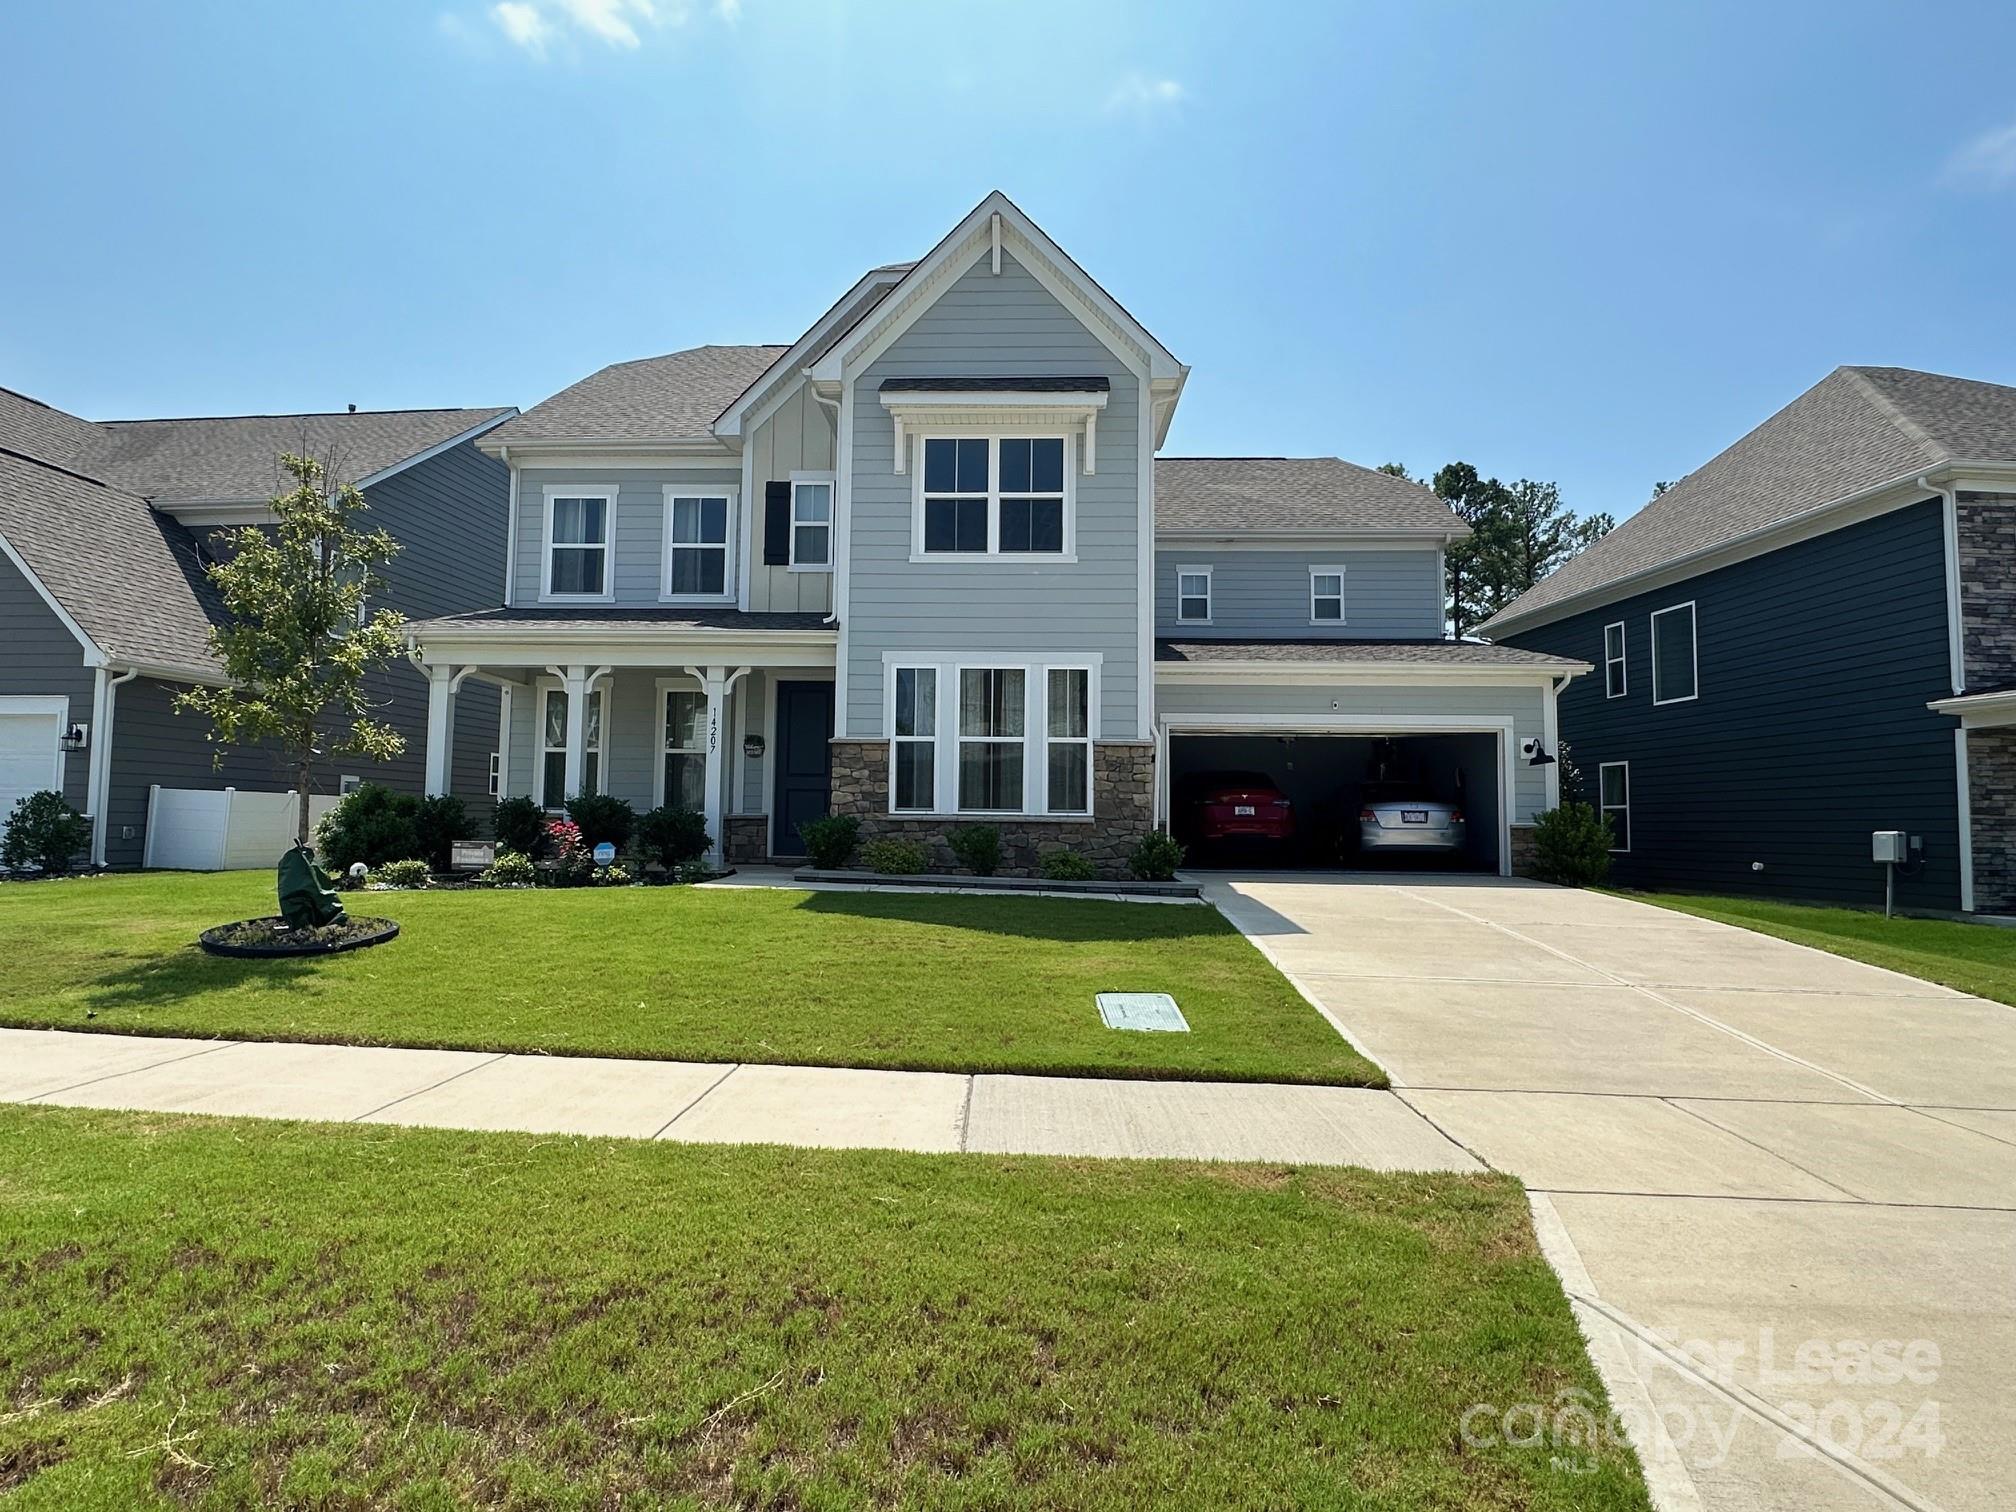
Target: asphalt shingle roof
(1855, 429)
(35, 429)
(1292, 493)
(1358, 652)
(125, 572)
(677, 395)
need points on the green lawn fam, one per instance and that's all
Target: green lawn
(248, 1313)
(708, 974)
(1976, 958)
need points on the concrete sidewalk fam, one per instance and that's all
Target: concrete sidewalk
(728, 1104)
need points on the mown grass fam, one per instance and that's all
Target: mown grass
(898, 981)
(246, 1313)
(1976, 958)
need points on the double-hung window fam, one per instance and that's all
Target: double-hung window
(914, 757)
(577, 543)
(685, 755)
(1326, 595)
(1193, 595)
(1068, 769)
(812, 524)
(1613, 780)
(993, 710)
(553, 792)
(994, 496)
(696, 542)
(1675, 671)
(1614, 681)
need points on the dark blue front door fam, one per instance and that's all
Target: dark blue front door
(804, 760)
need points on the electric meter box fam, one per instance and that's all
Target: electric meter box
(1887, 846)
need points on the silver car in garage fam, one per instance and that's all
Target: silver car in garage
(1402, 819)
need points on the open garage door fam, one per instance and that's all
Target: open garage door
(1410, 783)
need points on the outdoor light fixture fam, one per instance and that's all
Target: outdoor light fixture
(1539, 756)
(76, 737)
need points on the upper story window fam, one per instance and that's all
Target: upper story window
(696, 542)
(1193, 595)
(1007, 496)
(812, 523)
(1614, 683)
(1675, 664)
(1326, 595)
(577, 542)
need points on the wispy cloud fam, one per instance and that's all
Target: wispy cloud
(540, 27)
(1139, 95)
(728, 10)
(524, 25)
(1988, 161)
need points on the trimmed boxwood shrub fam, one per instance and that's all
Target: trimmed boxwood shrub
(1067, 866)
(1571, 845)
(978, 848)
(510, 869)
(602, 818)
(373, 824)
(895, 858)
(830, 842)
(519, 825)
(671, 836)
(438, 823)
(409, 873)
(1156, 858)
(44, 831)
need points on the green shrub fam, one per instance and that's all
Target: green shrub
(438, 823)
(372, 824)
(602, 818)
(694, 871)
(44, 831)
(830, 842)
(895, 858)
(1571, 845)
(409, 873)
(978, 848)
(612, 875)
(1067, 866)
(510, 869)
(1156, 858)
(672, 836)
(520, 825)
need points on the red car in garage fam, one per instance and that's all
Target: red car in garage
(1246, 806)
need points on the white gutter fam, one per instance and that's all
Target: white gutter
(98, 781)
(1949, 519)
(838, 551)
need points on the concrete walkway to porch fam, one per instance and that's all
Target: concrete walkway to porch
(726, 1104)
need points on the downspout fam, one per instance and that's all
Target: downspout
(833, 609)
(99, 781)
(1956, 648)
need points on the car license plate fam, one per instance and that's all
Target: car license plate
(1242, 811)
(1413, 816)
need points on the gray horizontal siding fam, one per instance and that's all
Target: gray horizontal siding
(1816, 662)
(798, 438)
(1388, 595)
(44, 660)
(638, 556)
(986, 325)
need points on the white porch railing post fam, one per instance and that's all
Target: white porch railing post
(577, 731)
(440, 727)
(716, 682)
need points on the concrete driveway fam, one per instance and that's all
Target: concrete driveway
(1780, 1184)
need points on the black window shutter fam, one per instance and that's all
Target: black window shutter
(776, 524)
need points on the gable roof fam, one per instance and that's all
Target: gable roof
(1856, 431)
(35, 429)
(1232, 494)
(125, 573)
(673, 397)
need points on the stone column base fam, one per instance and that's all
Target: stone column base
(748, 838)
(1991, 807)
(1524, 853)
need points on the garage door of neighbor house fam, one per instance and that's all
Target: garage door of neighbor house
(31, 748)
(194, 829)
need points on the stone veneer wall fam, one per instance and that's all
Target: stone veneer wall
(1991, 778)
(1123, 807)
(1987, 530)
(1524, 851)
(748, 837)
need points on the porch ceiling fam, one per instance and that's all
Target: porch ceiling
(540, 635)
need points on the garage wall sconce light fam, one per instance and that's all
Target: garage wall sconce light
(1536, 753)
(76, 737)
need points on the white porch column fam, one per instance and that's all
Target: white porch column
(716, 682)
(441, 685)
(503, 740)
(575, 679)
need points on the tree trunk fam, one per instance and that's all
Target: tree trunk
(303, 778)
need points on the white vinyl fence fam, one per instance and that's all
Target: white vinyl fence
(191, 829)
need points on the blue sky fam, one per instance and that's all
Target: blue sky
(1591, 243)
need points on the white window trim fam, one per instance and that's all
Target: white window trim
(347, 784)
(496, 773)
(606, 686)
(1693, 648)
(1621, 661)
(605, 492)
(1605, 809)
(660, 749)
(1035, 731)
(931, 740)
(832, 499)
(1343, 609)
(993, 553)
(732, 492)
(1046, 740)
(1203, 570)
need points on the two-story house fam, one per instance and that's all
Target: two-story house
(105, 531)
(1807, 640)
(922, 565)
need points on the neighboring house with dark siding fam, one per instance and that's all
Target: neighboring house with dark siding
(105, 530)
(1807, 640)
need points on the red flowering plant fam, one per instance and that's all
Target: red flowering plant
(572, 863)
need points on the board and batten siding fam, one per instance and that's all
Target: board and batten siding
(44, 660)
(797, 438)
(1388, 595)
(1368, 703)
(1816, 663)
(637, 556)
(989, 325)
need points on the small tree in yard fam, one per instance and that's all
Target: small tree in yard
(300, 645)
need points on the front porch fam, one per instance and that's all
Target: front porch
(728, 714)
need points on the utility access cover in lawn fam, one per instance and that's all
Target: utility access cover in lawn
(1142, 1010)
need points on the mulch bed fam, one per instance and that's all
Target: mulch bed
(271, 937)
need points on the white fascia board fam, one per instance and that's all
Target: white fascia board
(216, 514)
(1262, 540)
(1064, 399)
(968, 242)
(94, 655)
(1332, 673)
(637, 648)
(1837, 514)
(209, 677)
(534, 452)
(1979, 710)
(736, 419)
(479, 429)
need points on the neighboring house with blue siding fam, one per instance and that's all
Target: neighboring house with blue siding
(105, 531)
(924, 566)
(1807, 640)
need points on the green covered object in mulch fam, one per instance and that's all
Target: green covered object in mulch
(307, 900)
